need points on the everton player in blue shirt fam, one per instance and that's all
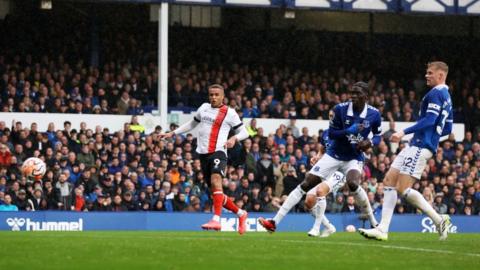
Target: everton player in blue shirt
(435, 120)
(348, 133)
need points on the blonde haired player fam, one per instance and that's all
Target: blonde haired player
(435, 121)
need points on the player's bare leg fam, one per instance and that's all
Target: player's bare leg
(361, 198)
(293, 198)
(219, 201)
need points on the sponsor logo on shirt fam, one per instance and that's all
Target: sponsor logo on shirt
(355, 139)
(208, 119)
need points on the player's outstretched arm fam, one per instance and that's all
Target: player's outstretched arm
(427, 121)
(166, 135)
(241, 134)
(181, 129)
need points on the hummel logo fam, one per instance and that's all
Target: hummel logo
(15, 223)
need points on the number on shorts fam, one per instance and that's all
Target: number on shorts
(337, 176)
(408, 162)
(216, 162)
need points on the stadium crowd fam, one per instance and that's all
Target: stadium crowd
(126, 170)
(96, 169)
(53, 86)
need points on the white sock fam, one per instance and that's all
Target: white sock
(362, 200)
(389, 202)
(415, 198)
(293, 198)
(216, 218)
(325, 222)
(240, 212)
(318, 212)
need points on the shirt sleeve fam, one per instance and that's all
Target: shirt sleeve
(197, 117)
(377, 125)
(447, 129)
(434, 106)
(335, 128)
(377, 130)
(434, 103)
(234, 120)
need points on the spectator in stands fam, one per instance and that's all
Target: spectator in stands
(5, 156)
(279, 136)
(134, 107)
(79, 203)
(86, 157)
(103, 203)
(64, 192)
(7, 204)
(136, 126)
(304, 138)
(21, 201)
(350, 206)
(265, 171)
(37, 201)
(252, 128)
(438, 204)
(123, 103)
(337, 205)
(290, 181)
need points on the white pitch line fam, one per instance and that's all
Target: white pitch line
(387, 247)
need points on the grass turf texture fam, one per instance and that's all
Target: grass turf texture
(213, 250)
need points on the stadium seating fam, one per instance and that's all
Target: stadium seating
(125, 170)
(129, 171)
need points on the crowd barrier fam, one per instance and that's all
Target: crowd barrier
(150, 121)
(92, 221)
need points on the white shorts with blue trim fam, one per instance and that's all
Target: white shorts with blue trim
(335, 182)
(328, 165)
(412, 161)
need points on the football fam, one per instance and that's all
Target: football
(34, 167)
(350, 228)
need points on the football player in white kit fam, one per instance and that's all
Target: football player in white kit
(215, 120)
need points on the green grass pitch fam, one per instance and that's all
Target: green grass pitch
(214, 250)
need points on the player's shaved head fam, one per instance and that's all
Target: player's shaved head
(217, 86)
(216, 93)
(438, 65)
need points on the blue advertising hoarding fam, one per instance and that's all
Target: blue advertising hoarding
(94, 221)
(459, 7)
